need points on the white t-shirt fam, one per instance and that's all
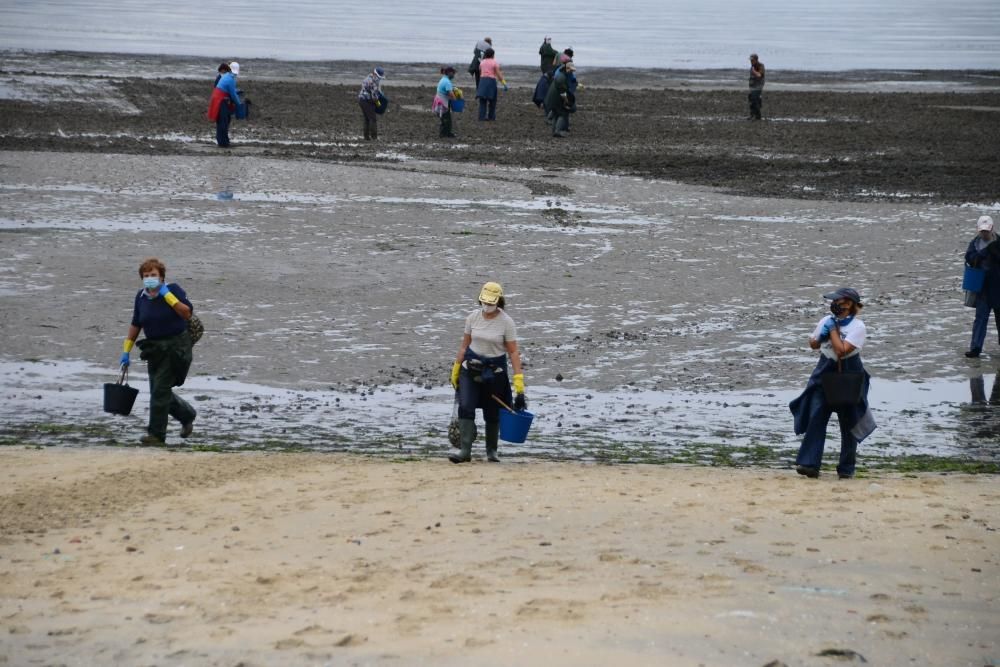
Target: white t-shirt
(854, 333)
(489, 336)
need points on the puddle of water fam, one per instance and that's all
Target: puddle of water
(951, 418)
(126, 223)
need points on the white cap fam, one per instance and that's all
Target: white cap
(984, 224)
(235, 68)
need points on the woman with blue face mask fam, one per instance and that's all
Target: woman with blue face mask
(480, 372)
(162, 311)
(839, 337)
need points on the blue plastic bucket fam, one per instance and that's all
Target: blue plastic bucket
(514, 425)
(973, 279)
(458, 106)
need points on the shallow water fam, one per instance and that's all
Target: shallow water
(957, 417)
(824, 35)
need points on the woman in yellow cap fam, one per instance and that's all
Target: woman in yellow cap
(480, 371)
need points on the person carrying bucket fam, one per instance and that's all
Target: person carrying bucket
(224, 102)
(162, 310)
(983, 253)
(444, 99)
(480, 372)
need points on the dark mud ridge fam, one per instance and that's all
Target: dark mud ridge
(934, 147)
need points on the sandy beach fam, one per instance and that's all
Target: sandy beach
(143, 557)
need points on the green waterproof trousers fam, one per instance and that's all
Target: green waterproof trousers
(169, 360)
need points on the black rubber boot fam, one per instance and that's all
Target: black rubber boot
(492, 441)
(467, 429)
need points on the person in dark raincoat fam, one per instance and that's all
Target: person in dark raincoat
(559, 101)
(839, 338)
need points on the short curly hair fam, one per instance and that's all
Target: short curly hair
(151, 263)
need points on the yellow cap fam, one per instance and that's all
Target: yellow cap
(490, 294)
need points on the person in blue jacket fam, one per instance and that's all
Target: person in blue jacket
(225, 99)
(162, 311)
(984, 253)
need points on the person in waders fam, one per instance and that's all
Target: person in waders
(480, 372)
(222, 105)
(162, 311)
(559, 101)
(446, 92)
(839, 337)
(369, 99)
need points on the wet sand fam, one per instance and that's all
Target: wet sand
(147, 557)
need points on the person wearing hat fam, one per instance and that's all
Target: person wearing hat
(369, 99)
(984, 253)
(839, 337)
(559, 100)
(480, 371)
(446, 92)
(162, 311)
(222, 105)
(548, 56)
(756, 86)
(486, 92)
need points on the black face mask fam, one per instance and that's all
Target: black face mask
(837, 310)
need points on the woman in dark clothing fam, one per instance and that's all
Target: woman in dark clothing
(984, 253)
(162, 310)
(839, 337)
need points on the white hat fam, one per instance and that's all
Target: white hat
(984, 224)
(235, 68)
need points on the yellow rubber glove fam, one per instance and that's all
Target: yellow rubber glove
(170, 299)
(519, 383)
(456, 368)
(127, 345)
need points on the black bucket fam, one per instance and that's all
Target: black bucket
(119, 397)
(842, 390)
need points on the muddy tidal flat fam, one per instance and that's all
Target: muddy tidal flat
(664, 263)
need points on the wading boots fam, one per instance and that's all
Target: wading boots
(467, 431)
(492, 441)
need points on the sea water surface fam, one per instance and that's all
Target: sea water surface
(689, 34)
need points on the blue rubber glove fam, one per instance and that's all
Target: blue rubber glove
(505, 88)
(163, 290)
(124, 361)
(824, 331)
(520, 402)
